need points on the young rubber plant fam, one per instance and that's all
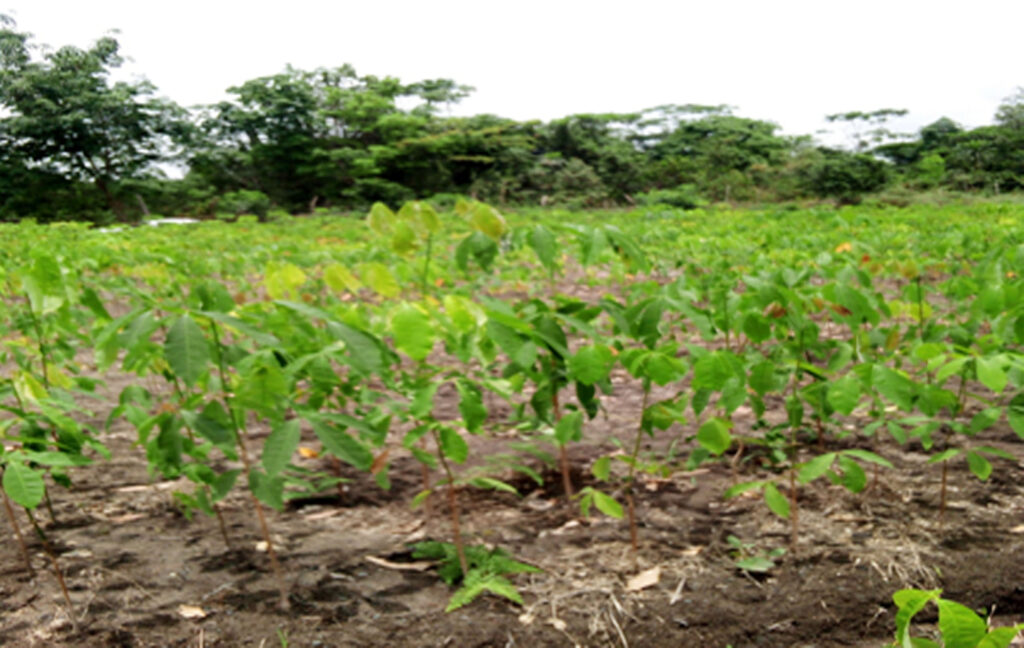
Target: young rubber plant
(414, 226)
(487, 571)
(959, 626)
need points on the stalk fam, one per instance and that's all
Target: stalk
(453, 505)
(425, 279)
(563, 454)
(243, 454)
(42, 347)
(9, 510)
(630, 505)
(48, 549)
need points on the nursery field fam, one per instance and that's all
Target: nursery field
(467, 427)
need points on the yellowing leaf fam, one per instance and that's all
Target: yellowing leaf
(282, 280)
(844, 247)
(339, 279)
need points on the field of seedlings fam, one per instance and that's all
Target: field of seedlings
(466, 427)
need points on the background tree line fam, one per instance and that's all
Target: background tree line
(76, 145)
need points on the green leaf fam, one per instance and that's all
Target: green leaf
(453, 445)
(493, 484)
(980, 466)
(591, 364)
(471, 405)
(910, 602)
(776, 501)
(283, 280)
(1000, 637)
(339, 279)
(23, 485)
(733, 491)
(945, 455)
(380, 219)
(757, 564)
(815, 468)
(959, 625)
(602, 468)
(991, 374)
(569, 428)
(486, 220)
(543, 243)
(714, 435)
(380, 280)
(865, 455)
(267, 489)
(44, 284)
(280, 446)
(844, 394)
(421, 216)
(263, 390)
(854, 478)
(186, 350)
(607, 505)
(1015, 414)
(365, 352)
(712, 371)
(342, 445)
(413, 331)
(894, 386)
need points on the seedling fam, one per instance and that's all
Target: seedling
(959, 626)
(748, 557)
(487, 571)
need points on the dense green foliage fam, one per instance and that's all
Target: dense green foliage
(77, 146)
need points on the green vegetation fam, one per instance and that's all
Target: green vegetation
(76, 146)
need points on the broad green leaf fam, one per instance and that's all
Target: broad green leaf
(714, 435)
(283, 280)
(602, 468)
(267, 489)
(980, 466)
(712, 371)
(756, 564)
(263, 390)
(403, 238)
(186, 350)
(471, 405)
(815, 468)
(543, 243)
(413, 331)
(493, 484)
(364, 352)
(44, 284)
(991, 374)
(662, 368)
(339, 279)
(866, 455)
(910, 602)
(421, 216)
(453, 445)
(776, 501)
(569, 428)
(380, 219)
(733, 491)
(985, 419)
(959, 625)
(854, 478)
(894, 386)
(607, 505)
(1000, 637)
(844, 394)
(380, 280)
(486, 220)
(945, 455)
(591, 364)
(342, 445)
(280, 446)
(1015, 414)
(28, 388)
(23, 485)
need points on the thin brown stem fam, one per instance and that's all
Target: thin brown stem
(17, 532)
(563, 453)
(942, 492)
(48, 550)
(243, 454)
(222, 525)
(633, 535)
(453, 506)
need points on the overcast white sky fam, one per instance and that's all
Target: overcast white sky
(787, 61)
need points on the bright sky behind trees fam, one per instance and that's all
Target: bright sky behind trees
(788, 61)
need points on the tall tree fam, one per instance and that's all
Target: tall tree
(62, 114)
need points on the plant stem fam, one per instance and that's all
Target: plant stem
(223, 526)
(942, 493)
(563, 453)
(17, 532)
(633, 539)
(453, 506)
(48, 549)
(42, 347)
(243, 454)
(425, 279)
